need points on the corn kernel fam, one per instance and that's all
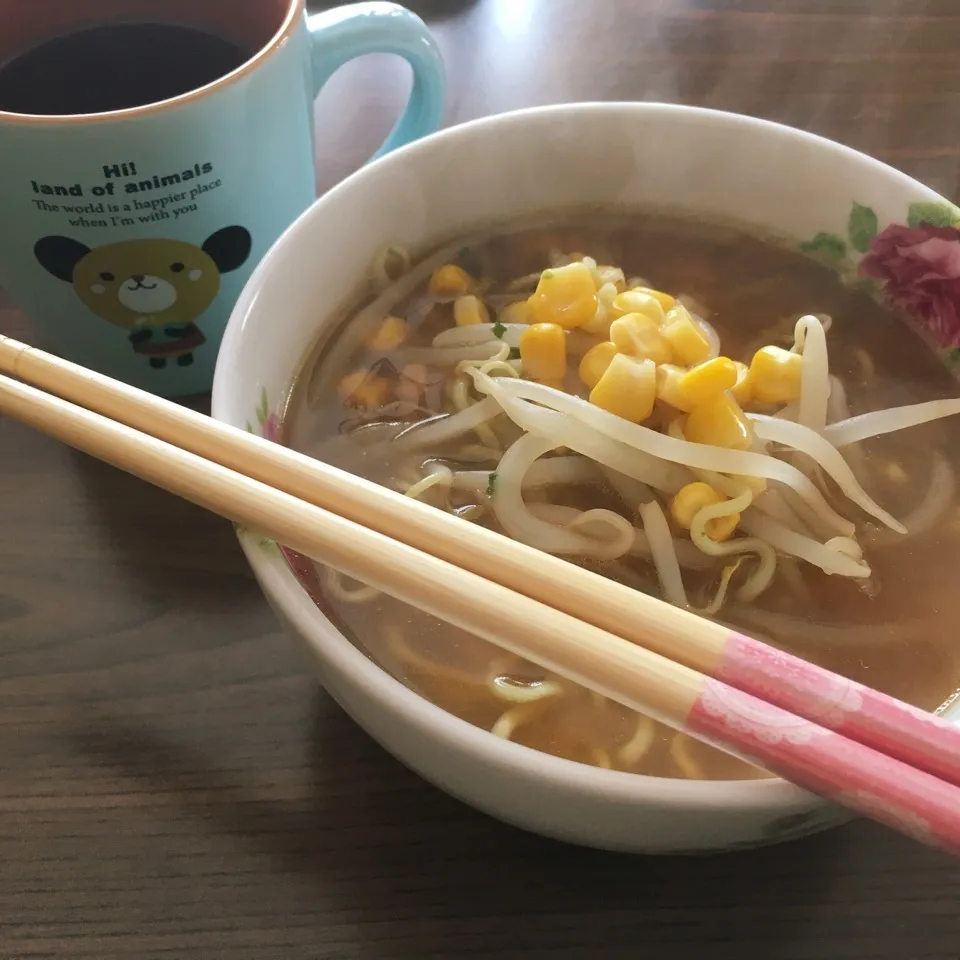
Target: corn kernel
(687, 340)
(668, 386)
(742, 390)
(595, 361)
(543, 350)
(363, 388)
(691, 499)
(565, 296)
(639, 336)
(775, 375)
(720, 423)
(637, 301)
(413, 379)
(628, 388)
(721, 528)
(664, 299)
(517, 312)
(469, 310)
(388, 336)
(708, 380)
(449, 280)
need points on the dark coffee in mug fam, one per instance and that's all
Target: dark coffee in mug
(115, 66)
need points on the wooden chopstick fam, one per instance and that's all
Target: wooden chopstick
(852, 709)
(857, 776)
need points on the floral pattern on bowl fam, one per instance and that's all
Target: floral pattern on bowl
(914, 267)
(268, 422)
(268, 427)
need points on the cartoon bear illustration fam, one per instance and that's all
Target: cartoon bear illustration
(156, 289)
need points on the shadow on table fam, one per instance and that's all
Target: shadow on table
(157, 543)
(382, 849)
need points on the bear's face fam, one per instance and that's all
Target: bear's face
(142, 283)
(147, 282)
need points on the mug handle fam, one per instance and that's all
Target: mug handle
(343, 33)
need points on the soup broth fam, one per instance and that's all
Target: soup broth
(886, 619)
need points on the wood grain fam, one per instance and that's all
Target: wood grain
(174, 784)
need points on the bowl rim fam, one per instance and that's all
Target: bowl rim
(768, 794)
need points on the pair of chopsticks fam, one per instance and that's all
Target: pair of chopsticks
(878, 756)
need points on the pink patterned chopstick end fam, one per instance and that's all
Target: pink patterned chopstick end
(865, 780)
(888, 725)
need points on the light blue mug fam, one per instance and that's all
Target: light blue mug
(127, 235)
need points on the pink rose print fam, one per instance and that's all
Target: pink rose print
(919, 268)
(268, 426)
(271, 427)
(267, 421)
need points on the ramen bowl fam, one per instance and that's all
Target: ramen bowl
(830, 201)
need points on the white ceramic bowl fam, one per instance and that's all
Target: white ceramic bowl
(715, 165)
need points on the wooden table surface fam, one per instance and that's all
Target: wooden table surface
(173, 783)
